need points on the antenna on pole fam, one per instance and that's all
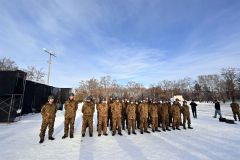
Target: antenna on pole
(51, 53)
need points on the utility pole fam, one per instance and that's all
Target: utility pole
(49, 62)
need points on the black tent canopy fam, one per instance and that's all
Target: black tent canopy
(20, 96)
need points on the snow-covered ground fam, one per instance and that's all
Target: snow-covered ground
(209, 139)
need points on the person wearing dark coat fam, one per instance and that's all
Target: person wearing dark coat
(194, 109)
(217, 109)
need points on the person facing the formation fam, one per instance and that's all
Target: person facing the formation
(48, 112)
(217, 109)
(186, 115)
(70, 107)
(116, 109)
(235, 110)
(131, 113)
(102, 109)
(88, 111)
(194, 109)
(176, 115)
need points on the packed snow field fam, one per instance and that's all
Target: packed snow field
(210, 139)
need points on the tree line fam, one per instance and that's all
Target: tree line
(33, 74)
(223, 86)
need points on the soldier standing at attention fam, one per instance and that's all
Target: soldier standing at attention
(102, 109)
(153, 109)
(124, 114)
(109, 121)
(143, 110)
(88, 111)
(131, 113)
(116, 109)
(165, 116)
(176, 115)
(186, 116)
(48, 112)
(170, 113)
(235, 110)
(70, 107)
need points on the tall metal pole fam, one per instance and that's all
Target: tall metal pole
(49, 63)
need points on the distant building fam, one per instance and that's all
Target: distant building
(180, 97)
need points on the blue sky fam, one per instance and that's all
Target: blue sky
(131, 40)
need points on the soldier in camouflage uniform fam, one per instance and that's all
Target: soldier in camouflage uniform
(131, 113)
(170, 112)
(143, 110)
(48, 112)
(88, 111)
(235, 110)
(137, 115)
(116, 109)
(176, 115)
(124, 114)
(102, 109)
(153, 110)
(70, 107)
(109, 121)
(186, 115)
(165, 116)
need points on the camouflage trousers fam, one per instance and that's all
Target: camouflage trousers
(116, 122)
(87, 122)
(102, 124)
(235, 114)
(131, 125)
(165, 121)
(176, 122)
(186, 118)
(143, 124)
(154, 123)
(69, 121)
(45, 124)
(124, 121)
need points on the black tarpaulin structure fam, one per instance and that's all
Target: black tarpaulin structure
(20, 96)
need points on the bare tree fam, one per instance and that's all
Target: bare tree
(35, 74)
(230, 76)
(6, 64)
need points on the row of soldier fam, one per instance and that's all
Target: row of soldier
(118, 114)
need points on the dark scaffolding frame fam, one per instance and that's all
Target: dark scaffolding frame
(11, 104)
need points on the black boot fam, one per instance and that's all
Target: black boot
(184, 127)
(51, 138)
(120, 133)
(141, 132)
(129, 132)
(164, 130)
(146, 131)
(64, 136)
(189, 127)
(178, 129)
(134, 133)
(83, 135)
(90, 135)
(168, 129)
(99, 135)
(153, 130)
(173, 128)
(41, 141)
(105, 134)
(113, 134)
(158, 130)
(71, 136)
